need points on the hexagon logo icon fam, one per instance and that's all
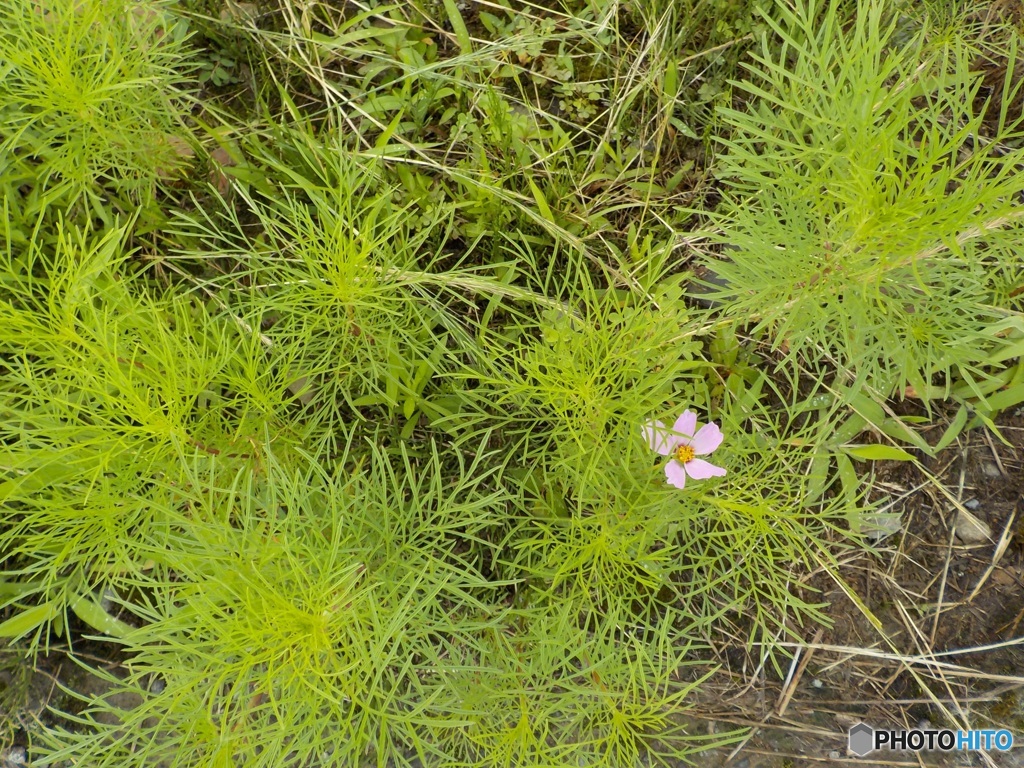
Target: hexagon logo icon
(862, 739)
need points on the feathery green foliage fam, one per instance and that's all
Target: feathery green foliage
(93, 101)
(874, 195)
(342, 446)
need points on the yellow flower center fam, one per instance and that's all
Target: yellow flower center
(684, 453)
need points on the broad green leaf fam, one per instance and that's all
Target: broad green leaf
(27, 620)
(1006, 398)
(953, 430)
(350, 39)
(896, 429)
(848, 430)
(878, 453)
(388, 132)
(1014, 328)
(459, 27)
(374, 399)
(683, 128)
(19, 588)
(670, 82)
(867, 408)
(817, 477)
(848, 477)
(969, 388)
(92, 613)
(542, 202)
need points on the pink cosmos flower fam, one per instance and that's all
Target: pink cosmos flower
(684, 442)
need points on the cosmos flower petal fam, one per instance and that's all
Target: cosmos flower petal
(699, 469)
(686, 425)
(658, 437)
(671, 443)
(676, 474)
(707, 439)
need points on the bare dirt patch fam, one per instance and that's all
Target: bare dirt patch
(948, 594)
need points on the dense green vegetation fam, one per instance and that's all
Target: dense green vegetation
(329, 334)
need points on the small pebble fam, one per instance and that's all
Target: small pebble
(972, 504)
(990, 469)
(13, 756)
(834, 755)
(816, 683)
(924, 725)
(971, 530)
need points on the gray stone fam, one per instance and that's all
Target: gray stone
(991, 470)
(13, 756)
(970, 530)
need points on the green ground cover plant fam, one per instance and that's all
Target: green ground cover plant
(338, 391)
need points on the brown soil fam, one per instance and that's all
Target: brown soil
(938, 599)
